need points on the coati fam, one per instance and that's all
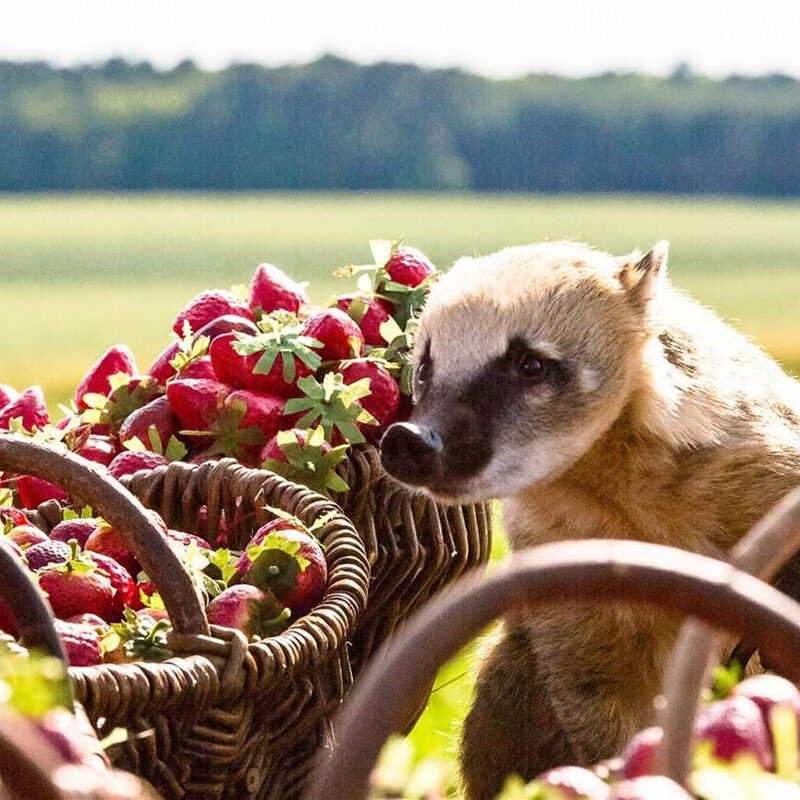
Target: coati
(597, 401)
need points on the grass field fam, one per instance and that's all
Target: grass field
(79, 273)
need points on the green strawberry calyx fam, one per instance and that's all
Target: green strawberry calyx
(142, 638)
(334, 405)
(189, 348)
(308, 463)
(175, 450)
(229, 438)
(275, 563)
(279, 338)
(267, 617)
(120, 402)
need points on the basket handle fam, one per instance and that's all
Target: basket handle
(597, 570)
(769, 544)
(26, 762)
(120, 508)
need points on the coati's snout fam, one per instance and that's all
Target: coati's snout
(523, 359)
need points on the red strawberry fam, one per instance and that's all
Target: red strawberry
(78, 587)
(272, 290)
(130, 461)
(273, 451)
(29, 407)
(200, 368)
(35, 491)
(115, 360)
(80, 642)
(92, 620)
(340, 336)
(48, 552)
(7, 622)
(154, 614)
(7, 394)
(262, 412)
(248, 609)
(13, 515)
(78, 529)
(409, 266)
(26, 536)
(649, 787)
(108, 541)
(161, 370)
(368, 312)
(226, 324)
(196, 402)
(207, 306)
(156, 414)
(186, 539)
(121, 580)
(298, 586)
(383, 400)
(146, 588)
(640, 753)
(734, 726)
(239, 370)
(100, 449)
(573, 783)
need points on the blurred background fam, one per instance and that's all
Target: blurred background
(149, 150)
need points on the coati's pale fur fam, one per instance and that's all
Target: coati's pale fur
(665, 425)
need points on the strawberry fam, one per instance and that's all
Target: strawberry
(7, 622)
(248, 609)
(120, 579)
(200, 368)
(273, 290)
(269, 362)
(340, 336)
(369, 313)
(245, 422)
(25, 536)
(47, 552)
(285, 558)
(7, 394)
(78, 587)
(130, 461)
(29, 408)
(92, 620)
(35, 491)
(161, 370)
(196, 402)
(409, 266)
(154, 614)
(100, 449)
(11, 517)
(305, 457)
(185, 539)
(128, 395)
(230, 323)
(156, 419)
(117, 359)
(383, 399)
(142, 636)
(80, 642)
(78, 529)
(108, 541)
(207, 306)
(143, 589)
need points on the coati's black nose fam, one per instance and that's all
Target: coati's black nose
(411, 453)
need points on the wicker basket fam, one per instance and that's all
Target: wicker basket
(224, 718)
(29, 765)
(598, 571)
(415, 546)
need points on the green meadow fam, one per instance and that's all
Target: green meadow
(81, 272)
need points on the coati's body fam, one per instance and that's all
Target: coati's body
(653, 420)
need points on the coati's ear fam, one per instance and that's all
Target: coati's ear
(641, 276)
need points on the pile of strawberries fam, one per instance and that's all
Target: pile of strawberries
(258, 374)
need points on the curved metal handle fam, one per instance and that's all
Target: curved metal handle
(585, 570)
(121, 509)
(770, 543)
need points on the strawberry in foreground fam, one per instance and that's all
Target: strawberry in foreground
(383, 400)
(272, 290)
(340, 335)
(115, 360)
(639, 755)
(78, 587)
(81, 643)
(29, 407)
(651, 787)
(368, 312)
(206, 307)
(285, 558)
(249, 610)
(7, 394)
(573, 783)
(769, 692)
(409, 266)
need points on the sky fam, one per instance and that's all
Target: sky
(502, 38)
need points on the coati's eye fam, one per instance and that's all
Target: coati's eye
(532, 366)
(423, 370)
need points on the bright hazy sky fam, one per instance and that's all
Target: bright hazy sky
(504, 37)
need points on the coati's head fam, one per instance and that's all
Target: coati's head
(524, 359)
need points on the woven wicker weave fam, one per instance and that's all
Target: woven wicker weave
(414, 545)
(224, 718)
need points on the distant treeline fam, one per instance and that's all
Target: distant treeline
(333, 124)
